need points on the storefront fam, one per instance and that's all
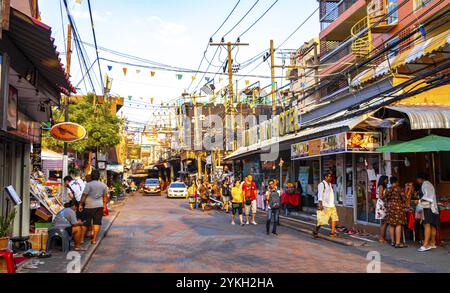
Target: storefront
(354, 163)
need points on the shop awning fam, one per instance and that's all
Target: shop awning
(431, 143)
(34, 39)
(425, 117)
(421, 49)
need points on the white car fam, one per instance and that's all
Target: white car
(177, 190)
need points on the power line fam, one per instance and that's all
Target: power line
(96, 47)
(254, 23)
(242, 18)
(207, 45)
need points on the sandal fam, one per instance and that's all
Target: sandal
(400, 245)
(392, 244)
(333, 235)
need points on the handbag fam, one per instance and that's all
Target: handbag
(322, 218)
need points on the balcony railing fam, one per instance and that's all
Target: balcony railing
(335, 52)
(331, 10)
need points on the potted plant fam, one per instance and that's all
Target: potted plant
(5, 228)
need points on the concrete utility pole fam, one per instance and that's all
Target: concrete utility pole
(230, 47)
(66, 102)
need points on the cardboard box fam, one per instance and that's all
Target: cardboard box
(43, 214)
(39, 241)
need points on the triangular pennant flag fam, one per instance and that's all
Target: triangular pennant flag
(194, 77)
(274, 84)
(130, 97)
(151, 100)
(110, 67)
(220, 79)
(138, 71)
(125, 71)
(247, 82)
(152, 73)
(78, 1)
(179, 76)
(207, 79)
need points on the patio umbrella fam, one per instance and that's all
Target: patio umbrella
(431, 143)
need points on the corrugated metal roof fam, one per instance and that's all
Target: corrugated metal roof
(425, 116)
(35, 40)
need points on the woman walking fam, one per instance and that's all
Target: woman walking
(192, 190)
(237, 202)
(380, 212)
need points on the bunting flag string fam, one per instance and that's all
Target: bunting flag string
(152, 73)
(179, 76)
(110, 67)
(247, 82)
(125, 71)
(194, 77)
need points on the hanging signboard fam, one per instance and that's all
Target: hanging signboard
(354, 142)
(68, 132)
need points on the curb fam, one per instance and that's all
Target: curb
(87, 257)
(341, 241)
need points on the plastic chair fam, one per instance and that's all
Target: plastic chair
(62, 234)
(9, 258)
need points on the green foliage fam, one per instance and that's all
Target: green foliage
(102, 126)
(117, 188)
(6, 223)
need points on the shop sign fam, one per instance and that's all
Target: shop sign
(134, 152)
(27, 129)
(68, 132)
(268, 165)
(365, 142)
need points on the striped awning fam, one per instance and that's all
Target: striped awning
(421, 49)
(424, 116)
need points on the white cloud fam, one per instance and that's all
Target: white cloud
(79, 14)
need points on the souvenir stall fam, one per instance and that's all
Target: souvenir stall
(434, 150)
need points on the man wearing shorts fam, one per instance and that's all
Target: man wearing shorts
(95, 197)
(75, 188)
(249, 189)
(327, 210)
(67, 219)
(237, 202)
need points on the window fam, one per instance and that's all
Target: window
(421, 3)
(392, 11)
(444, 163)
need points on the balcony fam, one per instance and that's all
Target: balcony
(333, 51)
(331, 10)
(338, 17)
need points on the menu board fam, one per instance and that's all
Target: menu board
(367, 142)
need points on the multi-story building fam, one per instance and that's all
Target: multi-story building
(32, 80)
(383, 76)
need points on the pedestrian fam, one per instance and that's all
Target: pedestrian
(380, 210)
(226, 193)
(75, 189)
(273, 200)
(203, 194)
(192, 190)
(250, 192)
(395, 200)
(327, 209)
(237, 202)
(431, 220)
(93, 200)
(67, 219)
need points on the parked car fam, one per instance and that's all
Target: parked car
(152, 186)
(177, 190)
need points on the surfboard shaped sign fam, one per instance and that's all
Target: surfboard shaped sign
(68, 132)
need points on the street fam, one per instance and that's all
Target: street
(156, 235)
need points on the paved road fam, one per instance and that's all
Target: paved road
(155, 234)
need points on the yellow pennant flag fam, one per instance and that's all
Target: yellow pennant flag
(194, 78)
(152, 73)
(247, 82)
(125, 71)
(151, 100)
(78, 1)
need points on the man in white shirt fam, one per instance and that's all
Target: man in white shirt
(327, 209)
(75, 188)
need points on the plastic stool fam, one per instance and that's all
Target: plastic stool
(62, 234)
(9, 258)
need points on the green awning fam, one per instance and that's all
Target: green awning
(431, 143)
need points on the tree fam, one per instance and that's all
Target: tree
(102, 126)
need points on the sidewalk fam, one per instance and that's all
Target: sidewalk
(59, 261)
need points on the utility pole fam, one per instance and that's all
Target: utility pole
(230, 47)
(66, 101)
(272, 73)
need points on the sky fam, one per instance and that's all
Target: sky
(176, 33)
